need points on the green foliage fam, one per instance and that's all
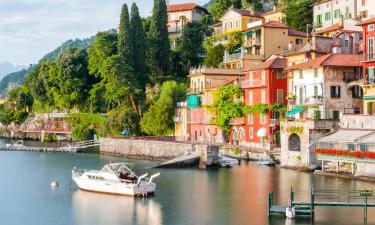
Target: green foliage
(226, 106)
(82, 132)
(218, 7)
(317, 115)
(214, 56)
(49, 137)
(21, 97)
(15, 78)
(295, 129)
(123, 118)
(9, 115)
(235, 41)
(191, 43)
(86, 125)
(125, 43)
(158, 120)
(257, 108)
(159, 48)
(299, 13)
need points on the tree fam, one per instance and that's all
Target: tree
(159, 49)
(191, 44)
(236, 4)
(214, 56)
(139, 46)
(218, 8)
(299, 13)
(257, 5)
(158, 120)
(125, 43)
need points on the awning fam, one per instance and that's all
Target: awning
(262, 132)
(345, 136)
(249, 32)
(238, 50)
(368, 98)
(295, 110)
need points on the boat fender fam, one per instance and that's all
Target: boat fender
(290, 213)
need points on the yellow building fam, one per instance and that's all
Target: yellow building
(237, 20)
(261, 40)
(276, 14)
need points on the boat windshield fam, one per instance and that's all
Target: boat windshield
(118, 168)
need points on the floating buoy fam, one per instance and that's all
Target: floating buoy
(54, 184)
(290, 212)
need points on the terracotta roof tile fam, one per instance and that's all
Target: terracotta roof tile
(334, 27)
(349, 60)
(275, 24)
(271, 63)
(371, 20)
(294, 32)
(183, 7)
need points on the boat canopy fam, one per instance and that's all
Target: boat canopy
(117, 167)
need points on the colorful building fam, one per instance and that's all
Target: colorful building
(264, 84)
(192, 120)
(368, 62)
(260, 43)
(276, 14)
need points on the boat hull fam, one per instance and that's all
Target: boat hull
(115, 188)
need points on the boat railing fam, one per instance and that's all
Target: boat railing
(78, 172)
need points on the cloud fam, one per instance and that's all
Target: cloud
(31, 28)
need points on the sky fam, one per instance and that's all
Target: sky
(31, 28)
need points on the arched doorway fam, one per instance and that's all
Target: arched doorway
(235, 136)
(195, 135)
(294, 143)
(242, 134)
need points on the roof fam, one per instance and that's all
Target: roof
(243, 12)
(345, 135)
(347, 60)
(183, 7)
(371, 20)
(334, 27)
(275, 24)
(215, 72)
(271, 12)
(271, 63)
(226, 83)
(294, 32)
(321, 1)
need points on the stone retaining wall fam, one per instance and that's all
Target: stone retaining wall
(147, 148)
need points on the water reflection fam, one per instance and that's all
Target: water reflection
(93, 208)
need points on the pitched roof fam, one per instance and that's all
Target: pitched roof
(271, 63)
(332, 59)
(278, 10)
(275, 24)
(225, 83)
(183, 7)
(334, 27)
(321, 1)
(294, 32)
(371, 20)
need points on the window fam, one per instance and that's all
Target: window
(299, 41)
(327, 16)
(370, 27)
(316, 74)
(335, 91)
(251, 76)
(316, 91)
(280, 74)
(300, 74)
(280, 96)
(251, 132)
(371, 49)
(363, 2)
(250, 118)
(337, 13)
(263, 77)
(346, 43)
(370, 75)
(357, 92)
(263, 118)
(363, 14)
(319, 20)
(250, 97)
(263, 96)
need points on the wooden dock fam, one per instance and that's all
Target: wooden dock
(321, 198)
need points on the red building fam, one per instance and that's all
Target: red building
(266, 84)
(368, 62)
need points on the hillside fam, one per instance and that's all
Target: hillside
(7, 68)
(15, 78)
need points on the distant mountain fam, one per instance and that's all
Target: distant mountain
(7, 68)
(12, 79)
(16, 75)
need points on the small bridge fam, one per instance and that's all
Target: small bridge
(338, 198)
(72, 147)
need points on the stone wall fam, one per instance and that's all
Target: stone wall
(145, 148)
(365, 170)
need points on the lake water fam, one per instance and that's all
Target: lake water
(236, 196)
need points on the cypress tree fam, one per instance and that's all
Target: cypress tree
(125, 47)
(158, 36)
(139, 45)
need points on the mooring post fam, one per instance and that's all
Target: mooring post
(365, 207)
(270, 203)
(312, 199)
(291, 197)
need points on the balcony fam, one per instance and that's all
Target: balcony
(315, 100)
(274, 122)
(195, 120)
(181, 104)
(253, 83)
(352, 76)
(237, 121)
(194, 91)
(232, 57)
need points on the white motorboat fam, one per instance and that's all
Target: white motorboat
(266, 162)
(115, 178)
(17, 144)
(227, 162)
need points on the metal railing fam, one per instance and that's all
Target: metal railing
(237, 121)
(315, 100)
(232, 57)
(352, 76)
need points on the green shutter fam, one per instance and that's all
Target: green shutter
(193, 101)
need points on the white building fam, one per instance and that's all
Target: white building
(328, 12)
(366, 9)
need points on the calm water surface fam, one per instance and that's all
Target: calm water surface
(236, 196)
